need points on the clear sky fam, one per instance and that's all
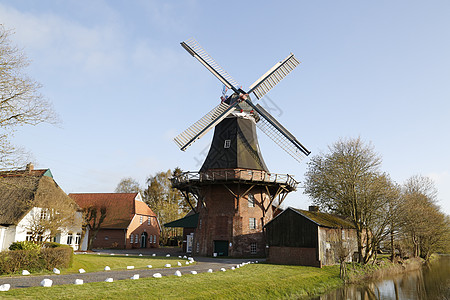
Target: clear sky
(124, 87)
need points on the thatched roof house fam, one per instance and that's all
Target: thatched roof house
(27, 193)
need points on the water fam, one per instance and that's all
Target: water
(429, 283)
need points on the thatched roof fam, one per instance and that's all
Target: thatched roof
(324, 219)
(20, 191)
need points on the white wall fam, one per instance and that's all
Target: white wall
(19, 233)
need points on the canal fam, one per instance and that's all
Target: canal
(429, 283)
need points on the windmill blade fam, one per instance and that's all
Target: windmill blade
(272, 77)
(280, 135)
(203, 57)
(205, 124)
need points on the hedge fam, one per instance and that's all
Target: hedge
(35, 260)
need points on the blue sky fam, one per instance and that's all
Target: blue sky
(124, 87)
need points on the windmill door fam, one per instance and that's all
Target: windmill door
(221, 248)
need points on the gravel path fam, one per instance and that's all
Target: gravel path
(202, 265)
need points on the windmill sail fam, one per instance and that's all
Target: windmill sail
(272, 77)
(203, 57)
(280, 135)
(202, 126)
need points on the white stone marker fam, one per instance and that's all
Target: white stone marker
(46, 282)
(135, 277)
(187, 262)
(179, 264)
(157, 275)
(178, 273)
(167, 265)
(78, 282)
(210, 270)
(140, 254)
(222, 269)
(130, 267)
(5, 287)
(107, 268)
(109, 280)
(149, 266)
(193, 272)
(25, 272)
(81, 271)
(232, 268)
(168, 255)
(56, 271)
(153, 254)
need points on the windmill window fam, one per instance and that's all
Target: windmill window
(253, 249)
(227, 144)
(251, 200)
(252, 223)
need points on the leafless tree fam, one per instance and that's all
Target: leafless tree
(20, 100)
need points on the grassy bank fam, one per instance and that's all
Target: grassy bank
(358, 273)
(257, 281)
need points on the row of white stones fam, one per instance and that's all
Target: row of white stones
(48, 282)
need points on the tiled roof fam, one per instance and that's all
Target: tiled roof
(189, 221)
(324, 219)
(120, 207)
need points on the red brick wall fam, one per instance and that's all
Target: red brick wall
(293, 256)
(226, 218)
(136, 227)
(109, 238)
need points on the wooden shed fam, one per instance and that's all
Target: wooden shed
(309, 237)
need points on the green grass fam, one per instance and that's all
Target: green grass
(95, 263)
(255, 281)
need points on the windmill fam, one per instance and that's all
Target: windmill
(234, 191)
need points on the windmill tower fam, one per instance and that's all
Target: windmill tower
(234, 190)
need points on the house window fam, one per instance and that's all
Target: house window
(252, 223)
(149, 221)
(253, 248)
(69, 239)
(78, 239)
(154, 239)
(131, 238)
(141, 219)
(151, 239)
(43, 214)
(227, 144)
(136, 238)
(251, 200)
(29, 236)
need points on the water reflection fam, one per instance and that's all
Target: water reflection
(429, 283)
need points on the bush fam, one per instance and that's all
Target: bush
(25, 245)
(54, 245)
(34, 260)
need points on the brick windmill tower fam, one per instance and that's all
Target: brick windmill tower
(234, 190)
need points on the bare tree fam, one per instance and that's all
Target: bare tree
(20, 100)
(128, 185)
(425, 228)
(347, 181)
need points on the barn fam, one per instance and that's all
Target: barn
(309, 237)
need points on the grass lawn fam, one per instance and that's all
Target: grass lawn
(95, 263)
(255, 281)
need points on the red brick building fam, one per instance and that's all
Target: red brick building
(129, 222)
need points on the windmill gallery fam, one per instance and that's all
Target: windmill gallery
(234, 195)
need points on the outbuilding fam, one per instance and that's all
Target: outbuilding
(309, 237)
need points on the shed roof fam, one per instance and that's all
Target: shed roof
(189, 221)
(324, 219)
(120, 207)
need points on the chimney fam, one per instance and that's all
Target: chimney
(29, 168)
(313, 208)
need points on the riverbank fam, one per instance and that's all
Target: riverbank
(357, 273)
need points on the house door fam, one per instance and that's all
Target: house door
(189, 242)
(221, 248)
(144, 240)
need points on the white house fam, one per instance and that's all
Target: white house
(30, 203)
